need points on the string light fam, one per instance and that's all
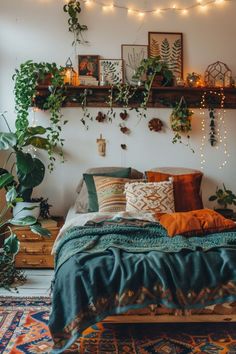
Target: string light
(221, 129)
(203, 5)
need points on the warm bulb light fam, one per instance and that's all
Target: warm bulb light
(108, 7)
(158, 11)
(184, 12)
(88, 2)
(141, 14)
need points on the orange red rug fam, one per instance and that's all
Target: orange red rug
(23, 329)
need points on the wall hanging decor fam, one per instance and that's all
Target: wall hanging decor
(101, 117)
(111, 70)
(132, 55)
(124, 129)
(88, 69)
(218, 74)
(124, 115)
(73, 9)
(169, 47)
(155, 125)
(217, 127)
(180, 121)
(101, 143)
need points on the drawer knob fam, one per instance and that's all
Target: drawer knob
(32, 263)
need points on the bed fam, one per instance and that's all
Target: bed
(122, 267)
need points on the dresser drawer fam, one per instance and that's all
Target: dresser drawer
(34, 261)
(36, 247)
(28, 235)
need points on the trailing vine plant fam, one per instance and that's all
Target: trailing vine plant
(73, 9)
(27, 78)
(180, 120)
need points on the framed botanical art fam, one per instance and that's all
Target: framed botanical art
(169, 46)
(88, 65)
(111, 71)
(132, 54)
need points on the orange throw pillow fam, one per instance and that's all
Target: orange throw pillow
(195, 223)
(186, 189)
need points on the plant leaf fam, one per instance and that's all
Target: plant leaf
(12, 244)
(26, 221)
(38, 229)
(7, 140)
(6, 179)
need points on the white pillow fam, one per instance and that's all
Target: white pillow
(155, 197)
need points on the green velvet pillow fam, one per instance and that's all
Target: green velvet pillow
(89, 181)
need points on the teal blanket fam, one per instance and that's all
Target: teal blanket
(109, 269)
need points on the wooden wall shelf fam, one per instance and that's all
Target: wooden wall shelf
(161, 97)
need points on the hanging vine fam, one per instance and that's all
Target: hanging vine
(73, 9)
(26, 79)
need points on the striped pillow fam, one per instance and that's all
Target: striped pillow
(110, 193)
(155, 197)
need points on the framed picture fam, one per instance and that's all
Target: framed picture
(88, 65)
(111, 71)
(169, 45)
(132, 54)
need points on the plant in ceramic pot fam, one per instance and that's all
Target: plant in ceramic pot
(29, 171)
(224, 197)
(9, 244)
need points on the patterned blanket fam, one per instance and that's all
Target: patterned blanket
(109, 268)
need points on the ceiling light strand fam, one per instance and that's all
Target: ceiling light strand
(184, 9)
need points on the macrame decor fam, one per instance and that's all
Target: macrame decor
(217, 129)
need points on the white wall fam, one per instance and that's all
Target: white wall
(37, 30)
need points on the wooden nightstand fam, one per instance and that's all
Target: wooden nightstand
(35, 250)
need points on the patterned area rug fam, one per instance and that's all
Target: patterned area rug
(23, 329)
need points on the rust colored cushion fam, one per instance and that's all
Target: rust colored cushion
(195, 223)
(187, 188)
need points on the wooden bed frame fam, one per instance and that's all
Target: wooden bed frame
(169, 318)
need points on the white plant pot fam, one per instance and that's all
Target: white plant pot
(19, 212)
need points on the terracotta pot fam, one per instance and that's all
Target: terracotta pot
(46, 81)
(158, 80)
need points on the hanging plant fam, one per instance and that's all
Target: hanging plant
(212, 133)
(26, 79)
(73, 9)
(181, 121)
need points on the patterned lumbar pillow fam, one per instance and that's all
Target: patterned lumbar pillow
(155, 197)
(110, 193)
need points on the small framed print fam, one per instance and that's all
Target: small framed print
(132, 55)
(88, 65)
(169, 46)
(111, 71)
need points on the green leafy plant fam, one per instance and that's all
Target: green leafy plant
(27, 78)
(180, 120)
(73, 9)
(8, 273)
(223, 197)
(153, 67)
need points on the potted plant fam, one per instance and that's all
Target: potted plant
(29, 170)
(9, 244)
(224, 197)
(156, 70)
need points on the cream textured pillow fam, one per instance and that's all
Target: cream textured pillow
(155, 197)
(110, 193)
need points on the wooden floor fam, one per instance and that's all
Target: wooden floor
(38, 283)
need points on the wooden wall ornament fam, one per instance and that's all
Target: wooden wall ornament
(155, 125)
(101, 143)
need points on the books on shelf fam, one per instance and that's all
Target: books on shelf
(88, 80)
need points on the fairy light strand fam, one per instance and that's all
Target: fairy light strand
(222, 133)
(141, 12)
